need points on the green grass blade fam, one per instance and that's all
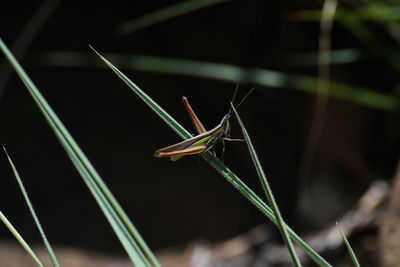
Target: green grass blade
(256, 201)
(129, 237)
(354, 25)
(166, 13)
(31, 209)
(20, 239)
(225, 72)
(352, 20)
(217, 164)
(268, 192)
(338, 56)
(150, 102)
(351, 252)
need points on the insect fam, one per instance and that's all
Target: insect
(205, 140)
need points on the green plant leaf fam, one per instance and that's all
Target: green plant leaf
(20, 239)
(268, 192)
(225, 72)
(216, 163)
(164, 14)
(351, 252)
(32, 210)
(129, 237)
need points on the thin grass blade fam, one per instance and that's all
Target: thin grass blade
(268, 192)
(351, 252)
(20, 239)
(338, 56)
(225, 72)
(171, 122)
(129, 237)
(32, 210)
(216, 163)
(163, 14)
(353, 21)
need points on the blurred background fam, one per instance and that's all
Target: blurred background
(322, 144)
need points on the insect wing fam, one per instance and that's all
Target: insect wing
(184, 144)
(175, 155)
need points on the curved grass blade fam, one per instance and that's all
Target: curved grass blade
(31, 209)
(321, 105)
(351, 252)
(26, 36)
(353, 21)
(268, 192)
(225, 72)
(164, 14)
(171, 122)
(216, 163)
(129, 237)
(20, 239)
(338, 56)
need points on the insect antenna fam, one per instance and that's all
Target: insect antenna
(244, 98)
(236, 89)
(234, 96)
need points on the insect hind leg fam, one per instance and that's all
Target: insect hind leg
(234, 139)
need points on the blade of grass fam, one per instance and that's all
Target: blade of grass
(225, 72)
(129, 237)
(352, 20)
(268, 191)
(338, 56)
(260, 204)
(164, 14)
(351, 252)
(214, 162)
(371, 11)
(25, 37)
(356, 26)
(31, 209)
(322, 99)
(20, 239)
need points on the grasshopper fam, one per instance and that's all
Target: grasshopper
(205, 140)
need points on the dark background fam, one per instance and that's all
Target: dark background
(174, 203)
